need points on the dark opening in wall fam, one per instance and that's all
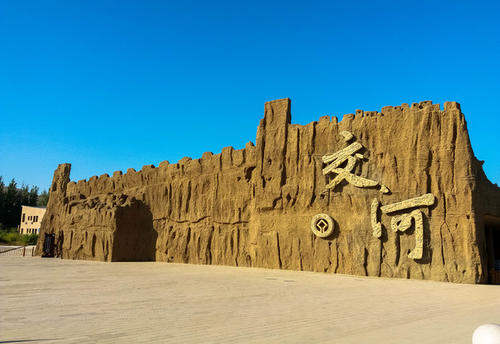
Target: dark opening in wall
(135, 237)
(492, 236)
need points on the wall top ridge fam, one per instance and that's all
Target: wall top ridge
(276, 113)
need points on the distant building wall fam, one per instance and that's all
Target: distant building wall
(31, 219)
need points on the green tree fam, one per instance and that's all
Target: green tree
(11, 200)
(12, 203)
(32, 196)
(2, 201)
(43, 199)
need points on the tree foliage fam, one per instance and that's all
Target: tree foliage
(13, 197)
(43, 199)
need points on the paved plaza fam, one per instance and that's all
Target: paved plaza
(62, 301)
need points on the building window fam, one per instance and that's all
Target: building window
(24, 217)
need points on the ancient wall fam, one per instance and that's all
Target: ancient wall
(395, 193)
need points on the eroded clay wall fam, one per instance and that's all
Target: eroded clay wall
(413, 151)
(254, 207)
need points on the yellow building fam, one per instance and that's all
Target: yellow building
(31, 219)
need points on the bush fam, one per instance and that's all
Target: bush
(29, 239)
(10, 236)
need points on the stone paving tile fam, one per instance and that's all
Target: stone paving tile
(61, 301)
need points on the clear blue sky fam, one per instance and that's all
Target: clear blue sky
(108, 85)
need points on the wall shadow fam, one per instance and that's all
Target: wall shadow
(134, 237)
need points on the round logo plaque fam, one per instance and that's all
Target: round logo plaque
(322, 225)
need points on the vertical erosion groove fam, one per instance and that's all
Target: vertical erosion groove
(278, 249)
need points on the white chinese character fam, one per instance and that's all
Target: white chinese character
(402, 222)
(348, 158)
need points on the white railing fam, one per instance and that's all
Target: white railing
(22, 251)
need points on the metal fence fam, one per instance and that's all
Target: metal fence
(22, 251)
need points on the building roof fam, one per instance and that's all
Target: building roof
(32, 206)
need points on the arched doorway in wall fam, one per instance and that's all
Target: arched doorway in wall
(492, 236)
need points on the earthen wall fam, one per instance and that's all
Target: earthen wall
(253, 207)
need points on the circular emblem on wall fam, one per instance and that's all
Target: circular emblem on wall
(322, 225)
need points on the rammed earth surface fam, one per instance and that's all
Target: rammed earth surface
(395, 193)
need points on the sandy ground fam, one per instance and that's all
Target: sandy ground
(61, 301)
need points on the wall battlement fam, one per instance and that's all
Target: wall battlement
(227, 153)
